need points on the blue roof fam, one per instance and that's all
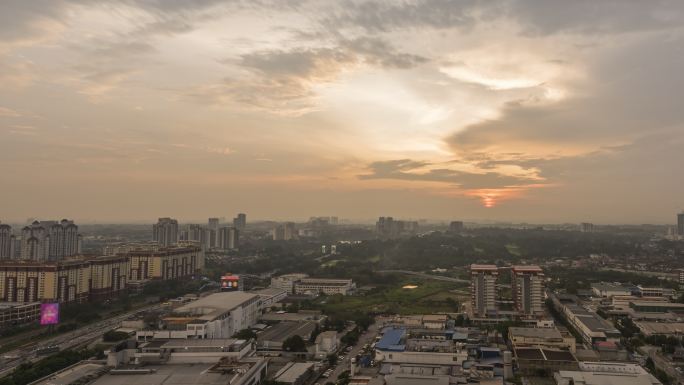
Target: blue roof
(391, 340)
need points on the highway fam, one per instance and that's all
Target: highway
(427, 276)
(70, 340)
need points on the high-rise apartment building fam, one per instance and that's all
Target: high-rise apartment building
(214, 223)
(240, 222)
(228, 238)
(50, 240)
(527, 286)
(483, 289)
(165, 232)
(191, 233)
(289, 231)
(680, 224)
(7, 242)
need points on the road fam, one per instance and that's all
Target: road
(70, 340)
(342, 365)
(427, 276)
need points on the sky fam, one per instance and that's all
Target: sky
(513, 110)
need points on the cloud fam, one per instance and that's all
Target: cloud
(282, 81)
(9, 113)
(410, 170)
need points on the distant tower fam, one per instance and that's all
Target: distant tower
(680, 224)
(7, 242)
(213, 223)
(228, 238)
(50, 240)
(456, 226)
(527, 286)
(165, 232)
(240, 222)
(587, 227)
(483, 289)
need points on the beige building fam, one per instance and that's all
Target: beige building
(527, 284)
(23, 281)
(541, 338)
(483, 289)
(164, 264)
(108, 276)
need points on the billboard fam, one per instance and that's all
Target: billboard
(49, 313)
(230, 282)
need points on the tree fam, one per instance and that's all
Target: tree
(245, 334)
(294, 344)
(114, 336)
(332, 359)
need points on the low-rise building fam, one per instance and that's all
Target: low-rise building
(295, 373)
(326, 344)
(609, 290)
(272, 339)
(532, 361)
(540, 337)
(327, 286)
(218, 315)
(18, 313)
(270, 296)
(287, 281)
(606, 373)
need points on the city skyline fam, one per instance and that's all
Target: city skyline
(498, 111)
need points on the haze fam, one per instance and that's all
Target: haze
(505, 110)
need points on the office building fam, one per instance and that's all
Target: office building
(483, 289)
(587, 227)
(456, 226)
(314, 286)
(7, 242)
(228, 238)
(50, 240)
(240, 222)
(165, 232)
(680, 224)
(527, 285)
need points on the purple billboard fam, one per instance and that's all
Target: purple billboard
(49, 313)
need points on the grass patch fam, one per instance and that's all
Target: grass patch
(428, 297)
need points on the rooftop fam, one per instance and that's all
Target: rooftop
(391, 339)
(546, 333)
(291, 372)
(281, 331)
(476, 267)
(213, 305)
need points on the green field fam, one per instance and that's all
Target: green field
(428, 297)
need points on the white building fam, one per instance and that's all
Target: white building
(483, 289)
(270, 296)
(606, 373)
(527, 285)
(228, 238)
(287, 281)
(324, 285)
(219, 315)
